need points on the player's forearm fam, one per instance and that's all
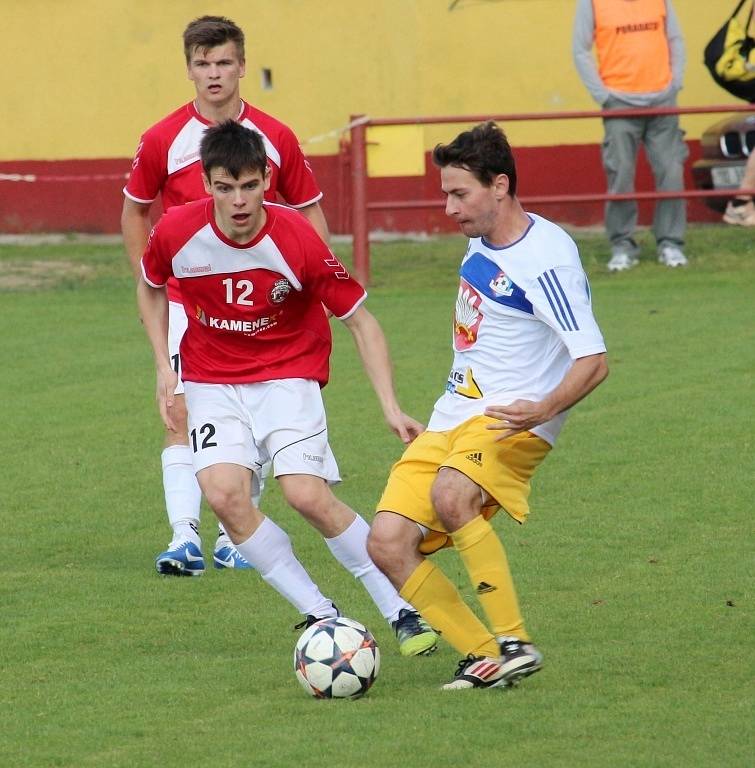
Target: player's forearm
(581, 379)
(373, 350)
(135, 227)
(153, 309)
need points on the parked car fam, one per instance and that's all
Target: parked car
(725, 147)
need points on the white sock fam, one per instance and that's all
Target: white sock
(269, 550)
(350, 549)
(182, 494)
(186, 529)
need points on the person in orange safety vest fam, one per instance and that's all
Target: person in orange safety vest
(638, 61)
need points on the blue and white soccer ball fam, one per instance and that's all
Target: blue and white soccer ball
(336, 658)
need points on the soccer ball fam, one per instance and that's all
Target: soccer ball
(336, 658)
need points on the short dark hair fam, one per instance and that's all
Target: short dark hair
(210, 31)
(231, 146)
(484, 151)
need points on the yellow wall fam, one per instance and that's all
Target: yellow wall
(82, 78)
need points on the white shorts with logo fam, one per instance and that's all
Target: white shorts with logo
(177, 325)
(280, 421)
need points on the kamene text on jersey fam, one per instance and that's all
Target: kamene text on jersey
(255, 310)
(167, 163)
(523, 314)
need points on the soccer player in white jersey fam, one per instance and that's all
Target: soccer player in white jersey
(254, 279)
(526, 349)
(167, 164)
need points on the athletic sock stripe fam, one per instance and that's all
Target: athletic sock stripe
(563, 296)
(550, 301)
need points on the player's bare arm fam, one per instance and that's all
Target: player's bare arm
(314, 214)
(135, 227)
(373, 350)
(153, 308)
(584, 375)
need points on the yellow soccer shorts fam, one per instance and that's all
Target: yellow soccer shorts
(503, 469)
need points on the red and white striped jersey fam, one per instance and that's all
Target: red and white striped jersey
(254, 310)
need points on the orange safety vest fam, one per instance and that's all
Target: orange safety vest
(631, 43)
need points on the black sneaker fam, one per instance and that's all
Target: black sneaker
(415, 636)
(310, 620)
(518, 659)
(478, 672)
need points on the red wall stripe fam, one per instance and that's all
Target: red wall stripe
(85, 195)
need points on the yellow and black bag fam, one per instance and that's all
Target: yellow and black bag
(730, 55)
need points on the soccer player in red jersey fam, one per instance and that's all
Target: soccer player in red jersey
(167, 165)
(254, 277)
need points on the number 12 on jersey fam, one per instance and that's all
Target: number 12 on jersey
(243, 290)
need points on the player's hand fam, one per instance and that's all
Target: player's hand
(516, 417)
(167, 380)
(405, 427)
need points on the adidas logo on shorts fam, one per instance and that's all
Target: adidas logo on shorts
(483, 588)
(475, 458)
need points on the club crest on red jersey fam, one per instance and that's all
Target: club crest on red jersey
(281, 288)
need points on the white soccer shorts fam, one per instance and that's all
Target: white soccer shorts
(281, 421)
(177, 325)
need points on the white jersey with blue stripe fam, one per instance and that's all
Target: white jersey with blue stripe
(523, 315)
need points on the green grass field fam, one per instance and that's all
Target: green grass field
(634, 571)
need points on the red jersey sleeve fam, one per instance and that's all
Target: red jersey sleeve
(330, 281)
(296, 184)
(157, 260)
(173, 230)
(148, 171)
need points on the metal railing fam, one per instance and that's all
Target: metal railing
(361, 206)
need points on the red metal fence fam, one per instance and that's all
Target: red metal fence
(361, 206)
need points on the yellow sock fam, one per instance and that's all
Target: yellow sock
(440, 604)
(488, 567)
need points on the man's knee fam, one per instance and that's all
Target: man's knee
(222, 499)
(380, 544)
(668, 171)
(391, 540)
(456, 499)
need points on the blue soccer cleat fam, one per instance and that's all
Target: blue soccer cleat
(182, 558)
(227, 556)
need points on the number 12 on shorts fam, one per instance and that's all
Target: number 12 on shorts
(206, 433)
